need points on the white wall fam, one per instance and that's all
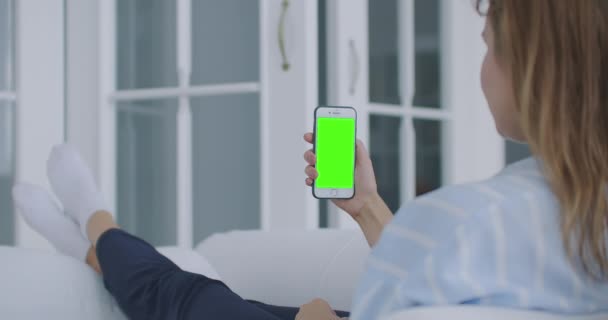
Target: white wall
(480, 150)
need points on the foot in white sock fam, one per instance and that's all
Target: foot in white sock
(74, 185)
(42, 214)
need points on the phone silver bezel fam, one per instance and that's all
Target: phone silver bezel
(334, 112)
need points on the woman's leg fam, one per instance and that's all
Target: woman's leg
(147, 285)
(140, 277)
(288, 312)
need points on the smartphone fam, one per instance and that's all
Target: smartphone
(335, 132)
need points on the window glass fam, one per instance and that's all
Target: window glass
(225, 41)
(226, 164)
(428, 155)
(146, 168)
(427, 54)
(516, 151)
(7, 172)
(146, 44)
(384, 151)
(384, 52)
(7, 121)
(6, 45)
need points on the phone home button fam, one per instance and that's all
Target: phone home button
(334, 192)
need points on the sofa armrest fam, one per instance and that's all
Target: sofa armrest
(289, 267)
(43, 285)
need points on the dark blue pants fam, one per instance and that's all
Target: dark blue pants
(149, 286)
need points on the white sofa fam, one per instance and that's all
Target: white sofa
(283, 268)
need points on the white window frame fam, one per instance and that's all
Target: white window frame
(471, 149)
(39, 97)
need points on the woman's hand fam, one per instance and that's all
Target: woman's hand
(365, 181)
(317, 310)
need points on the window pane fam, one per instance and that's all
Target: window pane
(428, 155)
(6, 45)
(7, 116)
(383, 52)
(226, 164)
(146, 152)
(225, 41)
(384, 151)
(516, 151)
(428, 63)
(146, 44)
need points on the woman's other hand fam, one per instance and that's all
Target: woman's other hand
(317, 309)
(365, 180)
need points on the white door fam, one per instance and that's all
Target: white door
(200, 122)
(400, 63)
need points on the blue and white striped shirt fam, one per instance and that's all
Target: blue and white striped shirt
(495, 243)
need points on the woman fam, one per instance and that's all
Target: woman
(532, 237)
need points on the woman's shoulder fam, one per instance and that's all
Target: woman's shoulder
(514, 191)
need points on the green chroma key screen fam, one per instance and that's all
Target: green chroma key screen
(335, 150)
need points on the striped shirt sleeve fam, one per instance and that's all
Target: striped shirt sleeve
(406, 268)
(495, 243)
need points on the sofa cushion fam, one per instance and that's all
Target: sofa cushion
(289, 267)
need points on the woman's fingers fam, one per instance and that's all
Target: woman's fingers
(311, 172)
(309, 182)
(310, 157)
(308, 137)
(361, 152)
(361, 146)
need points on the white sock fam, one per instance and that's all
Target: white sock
(74, 185)
(41, 213)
